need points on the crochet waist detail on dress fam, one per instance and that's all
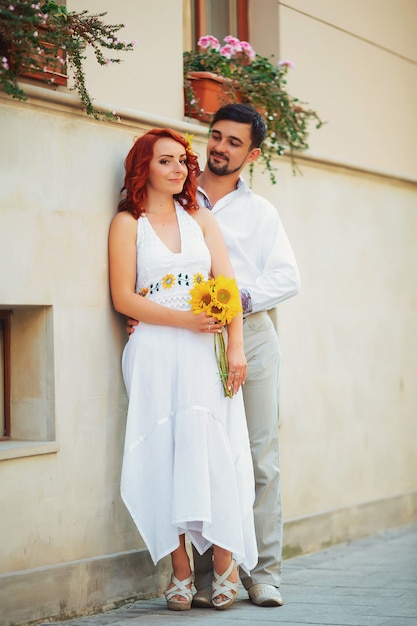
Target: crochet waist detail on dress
(172, 290)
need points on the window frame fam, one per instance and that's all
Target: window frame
(30, 381)
(242, 20)
(6, 352)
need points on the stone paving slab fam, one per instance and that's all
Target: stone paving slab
(368, 582)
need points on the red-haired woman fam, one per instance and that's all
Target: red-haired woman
(187, 465)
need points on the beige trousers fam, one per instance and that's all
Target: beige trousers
(260, 394)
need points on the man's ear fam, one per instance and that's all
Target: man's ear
(253, 155)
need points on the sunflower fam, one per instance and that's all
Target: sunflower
(168, 281)
(219, 298)
(226, 296)
(222, 289)
(200, 296)
(218, 312)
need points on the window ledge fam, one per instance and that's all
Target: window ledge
(17, 449)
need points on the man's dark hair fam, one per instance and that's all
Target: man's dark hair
(244, 114)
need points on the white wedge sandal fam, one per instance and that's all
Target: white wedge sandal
(179, 589)
(224, 587)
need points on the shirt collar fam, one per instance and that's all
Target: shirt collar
(241, 184)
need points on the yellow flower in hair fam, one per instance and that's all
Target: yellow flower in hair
(188, 139)
(168, 281)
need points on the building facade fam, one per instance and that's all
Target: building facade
(348, 409)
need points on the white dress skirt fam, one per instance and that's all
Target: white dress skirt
(187, 466)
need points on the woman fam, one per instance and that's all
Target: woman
(187, 466)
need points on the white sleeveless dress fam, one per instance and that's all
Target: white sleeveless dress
(187, 466)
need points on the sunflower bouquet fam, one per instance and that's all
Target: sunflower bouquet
(218, 297)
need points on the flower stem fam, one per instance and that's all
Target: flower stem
(222, 364)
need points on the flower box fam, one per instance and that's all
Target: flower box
(50, 72)
(233, 69)
(42, 66)
(210, 91)
(44, 41)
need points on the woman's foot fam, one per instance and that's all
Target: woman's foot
(225, 585)
(179, 595)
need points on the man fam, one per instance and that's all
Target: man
(267, 273)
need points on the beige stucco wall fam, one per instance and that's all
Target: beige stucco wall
(149, 77)
(348, 403)
(349, 339)
(55, 227)
(355, 63)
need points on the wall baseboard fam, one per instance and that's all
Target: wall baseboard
(68, 590)
(312, 533)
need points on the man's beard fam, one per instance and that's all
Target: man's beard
(221, 170)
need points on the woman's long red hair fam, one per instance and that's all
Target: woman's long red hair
(137, 171)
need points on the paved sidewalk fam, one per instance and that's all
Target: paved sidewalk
(368, 582)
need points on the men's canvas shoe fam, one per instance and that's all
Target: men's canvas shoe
(265, 595)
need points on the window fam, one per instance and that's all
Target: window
(214, 17)
(27, 372)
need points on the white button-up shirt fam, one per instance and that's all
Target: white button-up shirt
(260, 252)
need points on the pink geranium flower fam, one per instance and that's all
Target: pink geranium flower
(227, 51)
(248, 50)
(286, 63)
(208, 41)
(232, 41)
